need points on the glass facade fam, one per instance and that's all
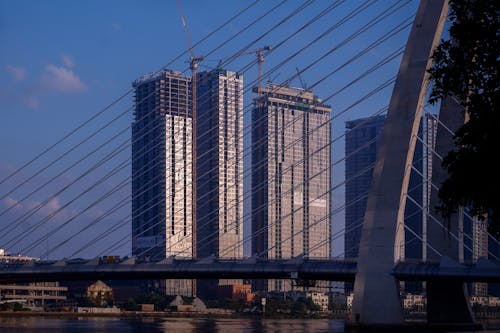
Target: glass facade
(220, 164)
(219, 170)
(361, 142)
(290, 176)
(161, 171)
(362, 137)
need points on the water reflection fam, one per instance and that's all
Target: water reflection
(168, 325)
(248, 325)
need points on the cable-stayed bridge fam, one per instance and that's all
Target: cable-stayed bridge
(250, 268)
(382, 228)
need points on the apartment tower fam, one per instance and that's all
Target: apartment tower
(161, 171)
(361, 143)
(219, 169)
(290, 177)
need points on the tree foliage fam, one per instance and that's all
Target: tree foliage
(466, 69)
(12, 306)
(160, 301)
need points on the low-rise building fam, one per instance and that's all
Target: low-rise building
(180, 305)
(236, 292)
(37, 294)
(414, 301)
(490, 301)
(320, 299)
(13, 259)
(94, 310)
(100, 293)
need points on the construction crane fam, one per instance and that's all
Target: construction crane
(193, 61)
(260, 60)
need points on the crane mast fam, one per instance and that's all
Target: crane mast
(260, 60)
(193, 61)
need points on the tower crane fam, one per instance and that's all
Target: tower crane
(260, 60)
(193, 61)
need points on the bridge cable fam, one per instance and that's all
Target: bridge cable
(240, 32)
(227, 22)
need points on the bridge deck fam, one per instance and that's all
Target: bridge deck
(306, 269)
(183, 269)
(483, 271)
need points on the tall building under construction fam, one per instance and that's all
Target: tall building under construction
(161, 171)
(220, 164)
(219, 169)
(290, 176)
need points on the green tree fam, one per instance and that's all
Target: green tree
(299, 307)
(160, 302)
(465, 69)
(131, 305)
(17, 306)
(311, 306)
(86, 302)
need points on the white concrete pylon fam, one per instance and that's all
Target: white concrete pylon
(376, 296)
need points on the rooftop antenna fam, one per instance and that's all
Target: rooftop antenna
(302, 82)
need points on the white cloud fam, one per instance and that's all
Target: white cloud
(68, 61)
(51, 207)
(61, 79)
(53, 78)
(20, 97)
(8, 201)
(11, 208)
(17, 73)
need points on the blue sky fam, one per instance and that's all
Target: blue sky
(62, 61)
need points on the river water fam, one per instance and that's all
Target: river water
(167, 325)
(40, 324)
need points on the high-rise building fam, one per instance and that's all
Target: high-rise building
(161, 170)
(419, 191)
(361, 142)
(362, 137)
(220, 164)
(219, 169)
(480, 250)
(290, 176)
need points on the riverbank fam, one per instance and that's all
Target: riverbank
(125, 314)
(19, 319)
(157, 314)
